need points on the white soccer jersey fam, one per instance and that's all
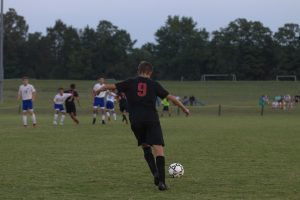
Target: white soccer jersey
(110, 96)
(26, 91)
(98, 86)
(60, 99)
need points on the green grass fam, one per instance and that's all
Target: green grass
(239, 155)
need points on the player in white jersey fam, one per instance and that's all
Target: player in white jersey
(110, 105)
(59, 101)
(99, 100)
(27, 93)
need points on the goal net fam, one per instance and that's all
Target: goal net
(218, 77)
(286, 78)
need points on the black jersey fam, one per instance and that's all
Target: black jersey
(141, 96)
(71, 98)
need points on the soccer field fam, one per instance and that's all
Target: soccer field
(239, 155)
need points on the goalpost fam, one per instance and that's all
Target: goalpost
(286, 78)
(206, 77)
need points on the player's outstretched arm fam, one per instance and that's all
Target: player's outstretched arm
(179, 104)
(106, 87)
(19, 96)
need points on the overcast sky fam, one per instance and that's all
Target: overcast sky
(141, 18)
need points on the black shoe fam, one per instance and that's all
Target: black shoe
(156, 180)
(103, 122)
(162, 186)
(94, 121)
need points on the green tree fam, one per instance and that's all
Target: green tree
(245, 48)
(37, 54)
(287, 40)
(15, 34)
(181, 49)
(64, 44)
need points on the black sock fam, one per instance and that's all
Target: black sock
(150, 160)
(160, 163)
(124, 118)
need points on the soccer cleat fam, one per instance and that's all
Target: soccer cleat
(162, 186)
(103, 122)
(34, 125)
(61, 123)
(54, 123)
(25, 126)
(94, 120)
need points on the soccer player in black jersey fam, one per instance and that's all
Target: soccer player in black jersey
(123, 106)
(70, 104)
(141, 93)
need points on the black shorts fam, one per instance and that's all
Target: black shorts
(166, 108)
(148, 133)
(71, 108)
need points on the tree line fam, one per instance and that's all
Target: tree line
(181, 49)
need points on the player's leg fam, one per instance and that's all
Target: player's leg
(56, 111)
(155, 137)
(124, 117)
(160, 164)
(114, 114)
(31, 112)
(148, 155)
(33, 117)
(95, 113)
(139, 130)
(63, 115)
(102, 107)
(24, 116)
(123, 111)
(74, 113)
(55, 117)
(108, 114)
(62, 118)
(73, 116)
(95, 110)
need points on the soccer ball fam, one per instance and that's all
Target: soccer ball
(176, 170)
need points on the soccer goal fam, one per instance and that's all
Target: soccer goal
(286, 78)
(218, 77)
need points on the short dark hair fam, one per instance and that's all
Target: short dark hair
(60, 88)
(145, 67)
(72, 86)
(25, 77)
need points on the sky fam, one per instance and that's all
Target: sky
(142, 18)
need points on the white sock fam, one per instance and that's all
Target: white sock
(103, 117)
(108, 114)
(33, 118)
(115, 116)
(25, 120)
(94, 115)
(62, 119)
(55, 117)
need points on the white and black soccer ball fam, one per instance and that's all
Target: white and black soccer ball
(176, 170)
